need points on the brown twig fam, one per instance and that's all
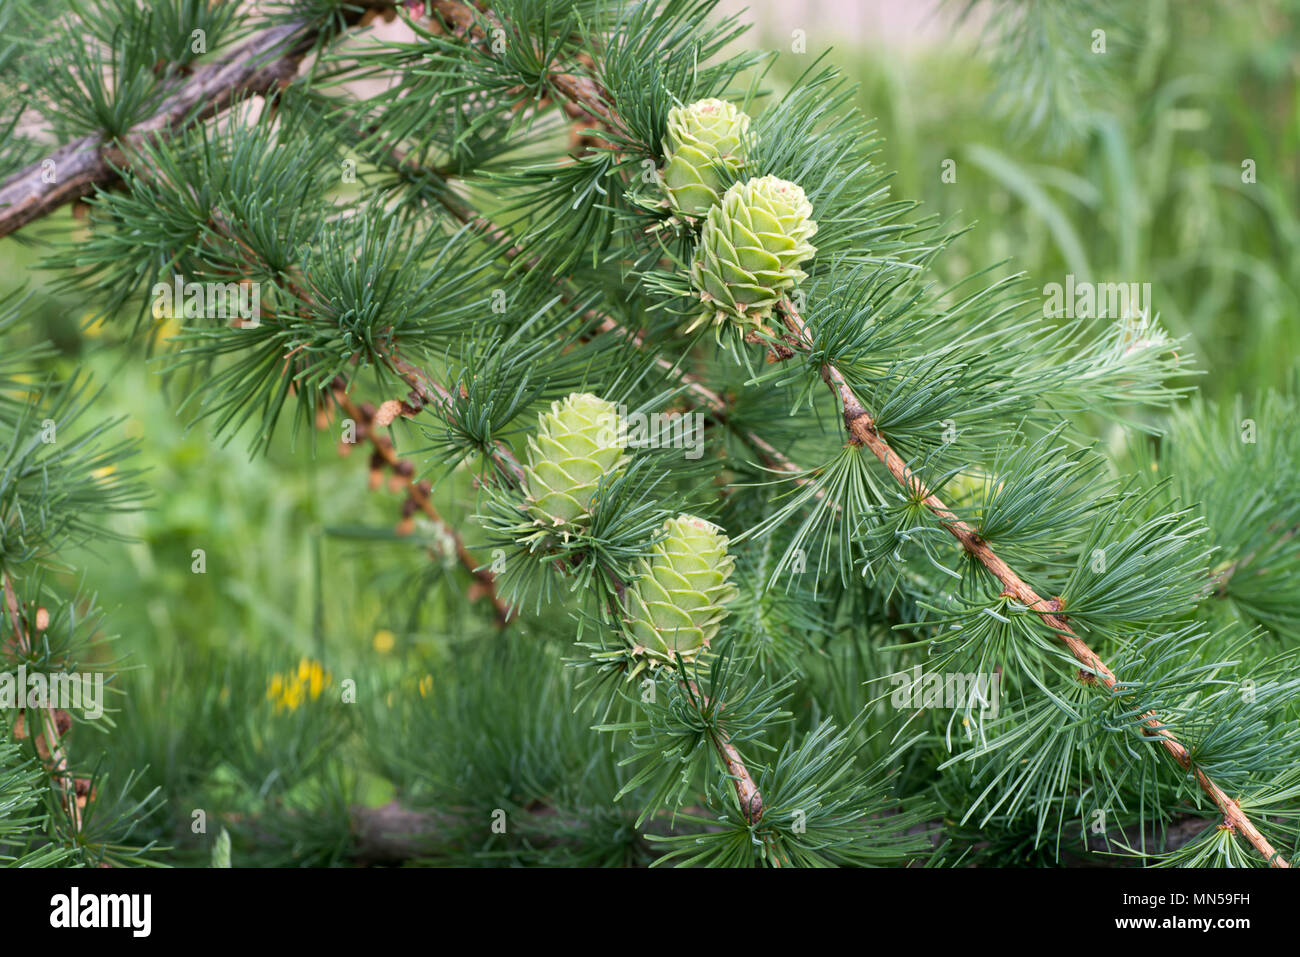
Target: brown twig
(419, 494)
(862, 431)
(747, 792)
(427, 391)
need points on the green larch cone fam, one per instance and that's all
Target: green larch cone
(679, 601)
(577, 443)
(751, 247)
(702, 138)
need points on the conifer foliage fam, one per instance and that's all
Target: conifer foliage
(737, 490)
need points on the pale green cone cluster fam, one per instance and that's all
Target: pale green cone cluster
(679, 601)
(704, 139)
(578, 443)
(751, 247)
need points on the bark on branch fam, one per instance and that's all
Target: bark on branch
(264, 62)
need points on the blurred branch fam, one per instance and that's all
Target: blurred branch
(394, 834)
(368, 422)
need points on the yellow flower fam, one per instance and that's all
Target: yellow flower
(290, 689)
(426, 685)
(318, 681)
(384, 641)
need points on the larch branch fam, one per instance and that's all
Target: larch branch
(747, 792)
(862, 431)
(261, 64)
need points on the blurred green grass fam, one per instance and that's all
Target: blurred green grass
(1153, 190)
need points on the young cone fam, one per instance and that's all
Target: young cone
(751, 247)
(577, 443)
(679, 601)
(703, 139)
